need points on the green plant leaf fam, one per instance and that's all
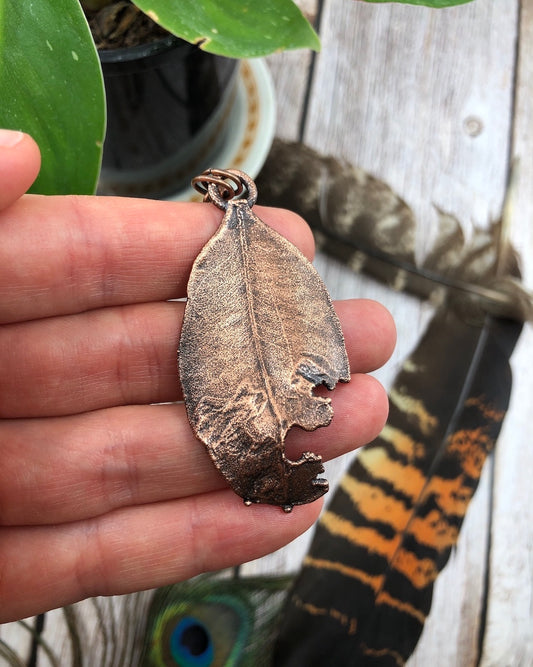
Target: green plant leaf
(238, 29)
(51, 86)
(437, 4)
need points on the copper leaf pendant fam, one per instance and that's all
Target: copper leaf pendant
(259, 334)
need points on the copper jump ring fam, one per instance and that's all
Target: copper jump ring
(219, 186)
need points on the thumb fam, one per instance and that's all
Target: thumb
(20, 162)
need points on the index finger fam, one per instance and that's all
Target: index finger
(64, 255)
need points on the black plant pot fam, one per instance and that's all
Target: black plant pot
(167, 109)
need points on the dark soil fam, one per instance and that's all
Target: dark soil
(122, 24)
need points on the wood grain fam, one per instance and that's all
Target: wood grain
(291, 72)
(509, 633)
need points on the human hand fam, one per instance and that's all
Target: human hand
(101, 492)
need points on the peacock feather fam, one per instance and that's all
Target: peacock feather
(214, 622)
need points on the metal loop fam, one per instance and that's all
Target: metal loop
(214, 185)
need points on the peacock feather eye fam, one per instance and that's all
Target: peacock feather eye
(213, 622)
(191, 643)
(210, 633)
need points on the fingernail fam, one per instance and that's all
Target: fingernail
(10, 138)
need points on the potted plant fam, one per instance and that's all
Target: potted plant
(168, 102)
(51, 82)
(52, 86)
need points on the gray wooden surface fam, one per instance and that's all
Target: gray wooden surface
(437, 104)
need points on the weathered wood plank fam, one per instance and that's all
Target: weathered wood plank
(424, 101)
(290, 71)
(509, 633)
(422, 97)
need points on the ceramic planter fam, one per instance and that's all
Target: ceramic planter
(168, 103)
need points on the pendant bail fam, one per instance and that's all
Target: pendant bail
(220, 186)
